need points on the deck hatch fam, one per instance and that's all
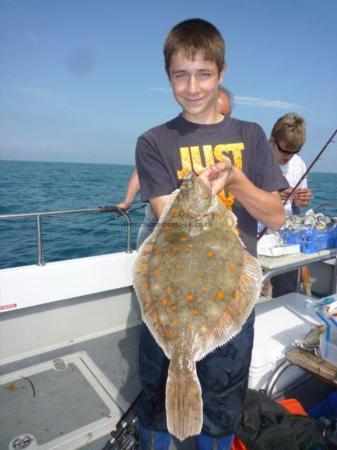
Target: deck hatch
(64, 403)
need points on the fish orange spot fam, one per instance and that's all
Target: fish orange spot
(169, 289)
(157, 271)
(189, 297)
(165, 301)
(231, 266)
(184, 238)
(210, 254)
(238, 295)
(175, 248)
(174, 308)
(169, 333)
(220, 295)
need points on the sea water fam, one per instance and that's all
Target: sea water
(27, 187)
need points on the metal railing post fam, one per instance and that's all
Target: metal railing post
(40, 255)
(127, 218)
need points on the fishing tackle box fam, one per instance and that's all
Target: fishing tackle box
(278, 323)
(311, 240)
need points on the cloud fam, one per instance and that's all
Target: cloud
(255, 102)
(168, 89)
(60, 99)
(264, 103)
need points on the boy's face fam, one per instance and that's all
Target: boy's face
(195, 87)
(281, 152)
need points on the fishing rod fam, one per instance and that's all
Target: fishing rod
(292, 193)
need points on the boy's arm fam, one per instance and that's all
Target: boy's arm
(131, 192)
(157, 204)
(266, 207)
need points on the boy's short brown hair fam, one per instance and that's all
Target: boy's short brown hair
(193, 36)
(290, 130)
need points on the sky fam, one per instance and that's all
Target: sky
(80, 80)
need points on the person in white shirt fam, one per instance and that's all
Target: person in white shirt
(287, 139)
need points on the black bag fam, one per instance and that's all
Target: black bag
(266, 425)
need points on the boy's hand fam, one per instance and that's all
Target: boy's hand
(218, 176)
(123, 205)
(303, 197)
(285, 193)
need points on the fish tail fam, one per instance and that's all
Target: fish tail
(184, 407)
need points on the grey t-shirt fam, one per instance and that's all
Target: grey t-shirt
(165, 153)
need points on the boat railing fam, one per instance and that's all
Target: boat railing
(40, 215)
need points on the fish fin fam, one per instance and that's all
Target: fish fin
(184, 407)
(239, 308)
(248, 291)
(168, 204)
(167, 207)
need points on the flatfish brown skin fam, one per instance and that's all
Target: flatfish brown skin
(196, 285)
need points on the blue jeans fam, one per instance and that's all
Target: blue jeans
(160, 440)
(223, 375)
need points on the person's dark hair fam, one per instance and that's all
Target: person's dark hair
(194, 36)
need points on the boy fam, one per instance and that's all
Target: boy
(224, 107)
(287, 139)
(227, 153)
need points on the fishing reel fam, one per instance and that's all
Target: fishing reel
(125, 437)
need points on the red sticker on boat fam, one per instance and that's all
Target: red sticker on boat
(12, 305)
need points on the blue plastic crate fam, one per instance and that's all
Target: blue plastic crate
(291, 237)
(311, 240)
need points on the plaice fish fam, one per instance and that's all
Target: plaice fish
(196, 285)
